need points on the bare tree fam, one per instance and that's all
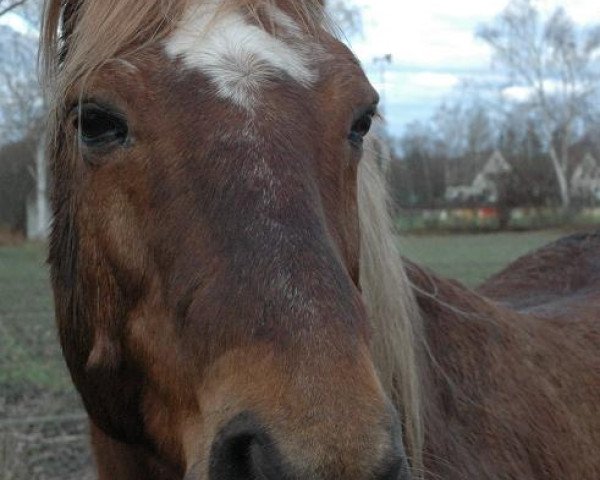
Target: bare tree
(557, 64)
(425, 163)
(21, 101)
(9, 5)
(21, 105)
(21, 114)
(346, 16)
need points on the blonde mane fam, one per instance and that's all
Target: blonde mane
(392, 308)
(74, 45)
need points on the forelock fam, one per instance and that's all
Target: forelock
(89, 32)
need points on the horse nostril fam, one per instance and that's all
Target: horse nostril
(397, 469)
(244, 451)
(396, 466)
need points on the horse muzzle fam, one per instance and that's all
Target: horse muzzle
(245, 450)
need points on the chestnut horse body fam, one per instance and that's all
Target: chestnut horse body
(228, 293)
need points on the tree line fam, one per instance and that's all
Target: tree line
(454, 146)
(539, 109)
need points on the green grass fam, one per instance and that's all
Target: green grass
(30, 358)
(472, 258)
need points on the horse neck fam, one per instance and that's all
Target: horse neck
(490, 386)
(461, 334)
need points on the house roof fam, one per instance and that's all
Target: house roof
(586, 176)
(463, 172)
(496, 164)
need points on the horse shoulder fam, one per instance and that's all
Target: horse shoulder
(512, 394)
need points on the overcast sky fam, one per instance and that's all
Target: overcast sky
(433, 46)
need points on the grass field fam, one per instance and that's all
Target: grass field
(472, 258)
(30, 358)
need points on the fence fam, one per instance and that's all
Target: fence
(489, 218)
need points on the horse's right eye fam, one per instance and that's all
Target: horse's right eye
(99, 126)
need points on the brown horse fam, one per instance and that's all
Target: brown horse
(228, 293)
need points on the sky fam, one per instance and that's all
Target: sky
(433, 47)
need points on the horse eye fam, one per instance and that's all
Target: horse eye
(360, 127)
(100, 127)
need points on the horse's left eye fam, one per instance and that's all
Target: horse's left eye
(361, 126)
(99, 126)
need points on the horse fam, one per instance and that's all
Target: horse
(230, 298)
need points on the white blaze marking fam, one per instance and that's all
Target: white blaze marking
(239, 57)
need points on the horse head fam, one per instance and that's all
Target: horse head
(206, 246)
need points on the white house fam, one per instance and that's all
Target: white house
(585, 181)
(484, 184)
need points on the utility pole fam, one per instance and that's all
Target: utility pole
(383, 62)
